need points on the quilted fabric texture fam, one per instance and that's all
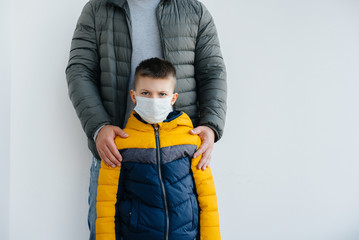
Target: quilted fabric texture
(99, 63)
(157, 193)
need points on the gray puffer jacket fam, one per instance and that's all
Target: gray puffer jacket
(99, 63)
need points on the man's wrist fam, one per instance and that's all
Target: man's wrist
(97, 131)
(215, 133)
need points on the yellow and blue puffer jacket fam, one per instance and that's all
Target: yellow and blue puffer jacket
(158, 192)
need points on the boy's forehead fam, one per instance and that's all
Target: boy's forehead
(151, 82)
(167, 78)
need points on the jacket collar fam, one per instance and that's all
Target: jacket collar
(121, 3)
(118, 3)
(174, 119)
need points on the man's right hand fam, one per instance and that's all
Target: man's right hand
(106, 146)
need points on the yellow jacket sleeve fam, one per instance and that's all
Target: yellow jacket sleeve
(207, 199)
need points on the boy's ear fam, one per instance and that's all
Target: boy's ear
(133, 98)
(174, 98)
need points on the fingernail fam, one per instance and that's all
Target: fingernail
(113, 165)
(119, 164)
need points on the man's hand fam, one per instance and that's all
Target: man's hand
(106, 146)
(207, 136)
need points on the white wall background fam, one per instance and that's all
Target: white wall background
(287, 166)
(5, 117)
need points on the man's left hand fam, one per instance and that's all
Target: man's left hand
(207, 136)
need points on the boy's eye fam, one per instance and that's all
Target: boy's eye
(144, 93)
(163, 94)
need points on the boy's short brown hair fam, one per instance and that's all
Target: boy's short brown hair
(155, 68)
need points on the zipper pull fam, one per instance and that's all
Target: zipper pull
(156, 130)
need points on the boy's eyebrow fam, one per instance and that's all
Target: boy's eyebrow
(143, 89)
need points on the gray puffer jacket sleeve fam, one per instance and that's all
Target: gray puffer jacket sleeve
(210, 76)
(82, 74)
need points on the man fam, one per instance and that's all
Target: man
(111, 37)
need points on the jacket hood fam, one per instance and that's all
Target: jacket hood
(173, 120)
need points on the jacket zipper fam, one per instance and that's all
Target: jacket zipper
(160, 28)
(158, 149)
(126, 11)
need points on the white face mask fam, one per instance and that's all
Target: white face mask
(153, 110)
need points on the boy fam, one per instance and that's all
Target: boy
(158, 192)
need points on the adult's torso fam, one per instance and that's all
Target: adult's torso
(178, 26)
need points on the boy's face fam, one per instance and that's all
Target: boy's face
(154, 88)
